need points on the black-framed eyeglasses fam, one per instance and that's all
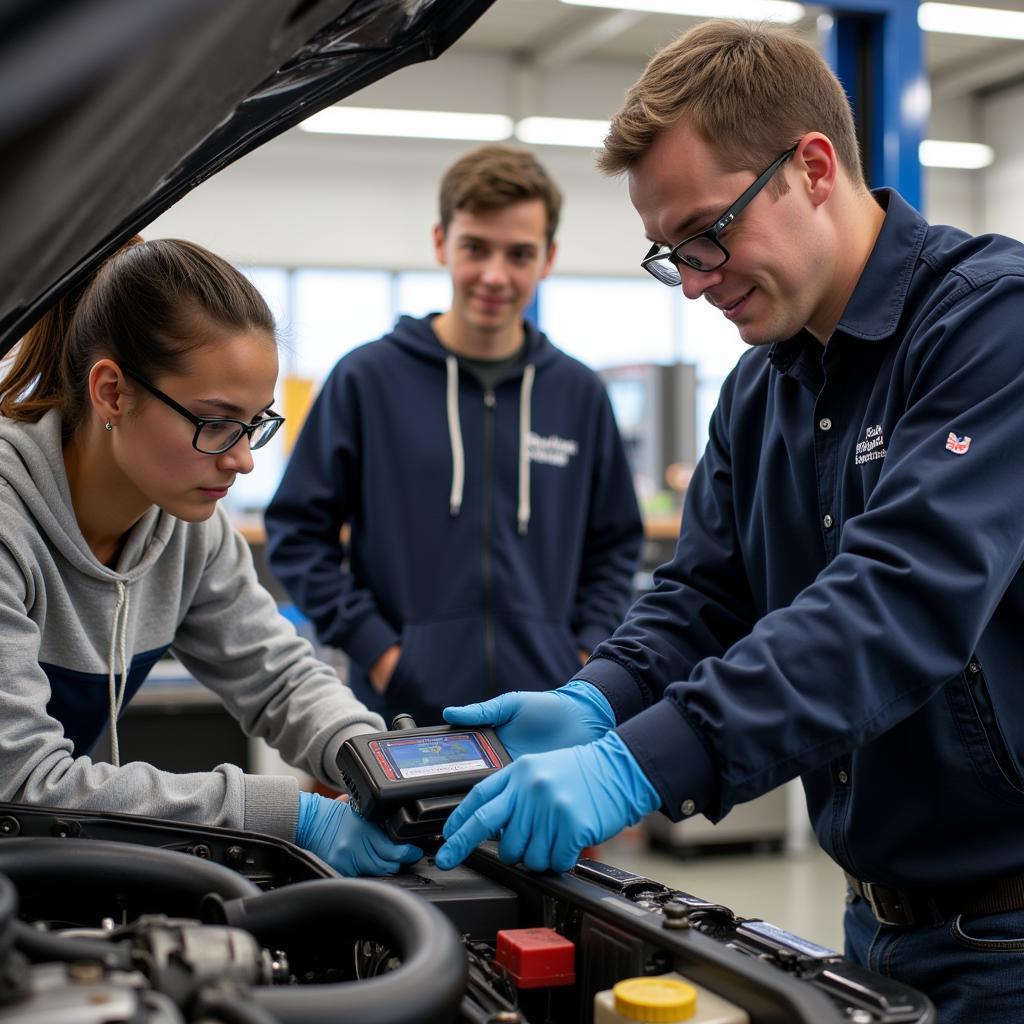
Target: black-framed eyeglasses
(704, 251)
(215, 435)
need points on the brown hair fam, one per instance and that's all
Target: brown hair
(491, 177)
(147, 307)
(750, 90)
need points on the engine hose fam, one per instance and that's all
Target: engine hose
(49, 947)
(8, 914)
(80, 879)
(425, 989)
(229, 1009)
(14, 968)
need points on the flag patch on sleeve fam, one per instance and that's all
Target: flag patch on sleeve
(956, 444)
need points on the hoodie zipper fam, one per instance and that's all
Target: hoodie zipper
(490, 657)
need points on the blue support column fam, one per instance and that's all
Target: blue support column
(875, 48)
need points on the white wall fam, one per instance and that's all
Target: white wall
(308, 199)
(1003, 199)
(949, 196)
(317, 200)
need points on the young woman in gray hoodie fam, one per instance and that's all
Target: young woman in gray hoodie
(126, 414)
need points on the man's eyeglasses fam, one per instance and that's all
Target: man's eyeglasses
(704, 251)
(216, 435)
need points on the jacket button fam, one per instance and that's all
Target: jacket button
(844, 778)
(828, 521)
(687, 807)
(825, 423)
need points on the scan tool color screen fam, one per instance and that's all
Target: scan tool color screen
(420, 756)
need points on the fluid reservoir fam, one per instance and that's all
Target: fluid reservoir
(665, 998)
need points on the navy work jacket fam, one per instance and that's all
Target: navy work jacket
(845, 602)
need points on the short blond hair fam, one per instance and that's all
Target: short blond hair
(750, 90)
(495, 176)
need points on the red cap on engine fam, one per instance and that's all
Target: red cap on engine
(535, 957)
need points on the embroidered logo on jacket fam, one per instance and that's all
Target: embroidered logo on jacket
(956, 444)
(553, 450)
(872, 447)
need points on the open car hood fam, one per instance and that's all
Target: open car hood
(111, 110)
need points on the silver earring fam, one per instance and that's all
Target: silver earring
(109, 425)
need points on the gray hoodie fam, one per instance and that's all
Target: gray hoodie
(70, 627)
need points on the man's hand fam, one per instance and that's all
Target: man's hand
(351, 845)
(548, 807)
(383, 668)
(530, 723)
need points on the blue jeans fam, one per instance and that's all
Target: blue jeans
(971, 967)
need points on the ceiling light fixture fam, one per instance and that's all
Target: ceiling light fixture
(572, 131)
(959, 19)
(552, 131)
(782, 11)
(561, 131)
(409, 124)
(967, 156)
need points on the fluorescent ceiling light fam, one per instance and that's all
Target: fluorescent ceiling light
(561, 131)
(751, 10)
(570, 131)
(960, 19)
(551, 131)
(410, 124)
(969, 156)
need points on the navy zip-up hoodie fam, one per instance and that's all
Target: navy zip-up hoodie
(846, 601)
(493, 534)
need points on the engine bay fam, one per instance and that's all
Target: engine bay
(109, 918)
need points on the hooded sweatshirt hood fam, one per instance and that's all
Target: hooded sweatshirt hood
(34, 476)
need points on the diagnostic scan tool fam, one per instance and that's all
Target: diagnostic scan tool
(410, 779)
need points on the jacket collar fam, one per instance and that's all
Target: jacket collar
(876, 306)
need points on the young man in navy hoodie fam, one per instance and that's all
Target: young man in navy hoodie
(494, 526)
(847, 597)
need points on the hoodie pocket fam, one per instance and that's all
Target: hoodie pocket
(442, 663)
(395, 683)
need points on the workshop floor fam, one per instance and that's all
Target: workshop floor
(802, 892)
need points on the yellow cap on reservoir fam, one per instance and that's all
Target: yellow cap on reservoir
(655, 999)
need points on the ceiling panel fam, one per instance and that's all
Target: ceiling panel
(535, 29)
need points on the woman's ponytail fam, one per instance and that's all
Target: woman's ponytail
(33, 382)
(42, 372)
(146, 306)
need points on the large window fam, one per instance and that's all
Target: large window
(602, 321)
(608, 322)
(713, 345)
(423, 292)
(333, 312)
(611, 321)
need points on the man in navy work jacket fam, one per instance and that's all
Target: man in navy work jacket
(494, 526)
(845, 602)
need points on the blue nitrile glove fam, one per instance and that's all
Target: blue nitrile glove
(547, 807)
(531, 723)
(351, 845)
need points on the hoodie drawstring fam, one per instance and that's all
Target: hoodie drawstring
(118, 645)
(525, 393)
(455, 438)
(523, 510)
